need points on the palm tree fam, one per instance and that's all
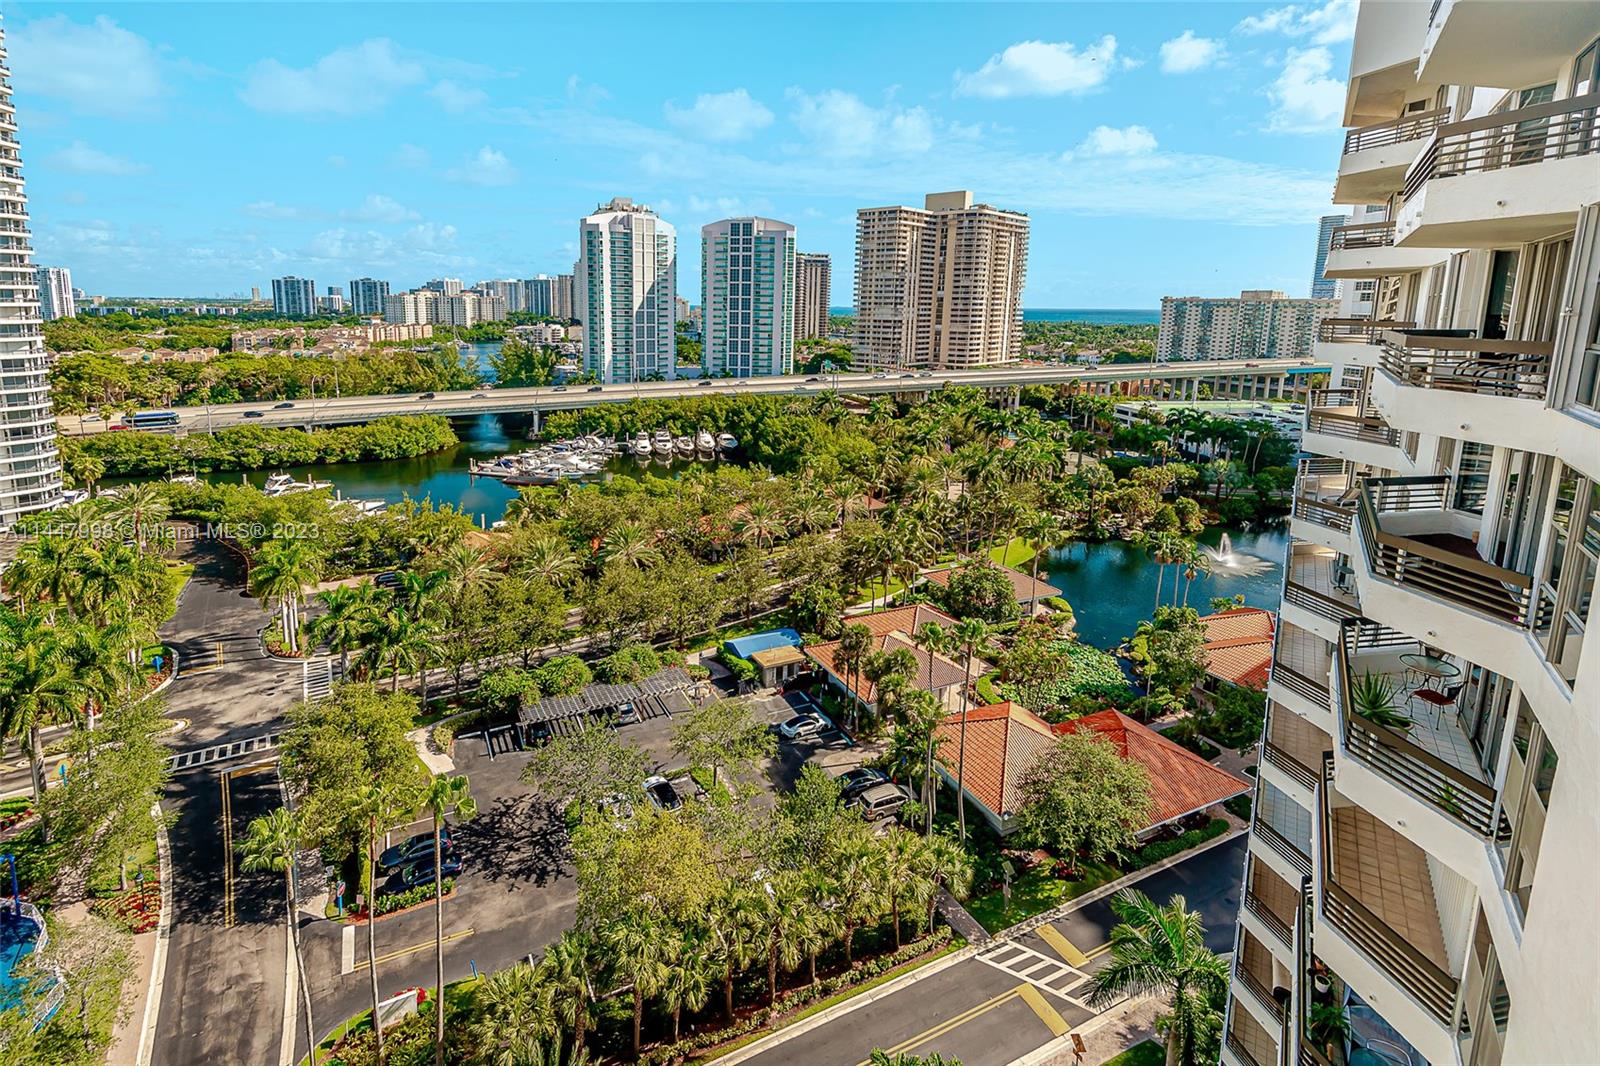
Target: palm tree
(549, 558)
(855, 643)
(857, 887)
(934, 639)
(47, 568)
(282, 569)
(445, 795)
(783, 913)
(137, 507)
(689, 980)
(113, 578)
(760, 524)
(631, 544)
(1043, 531)
(821, 926)
(467, 566)
(643, 950)
(515, 1015)
(734, 925)
(1162, 950)
(880, 1057)
(946, 865)
(971, 634)
(36, 687)
(568, 964)
(349, 613)
(381, 808)
(899, 862)
(98, 662)
(417, 594)
(269, 846)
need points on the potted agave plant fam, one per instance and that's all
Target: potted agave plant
(1373, 697)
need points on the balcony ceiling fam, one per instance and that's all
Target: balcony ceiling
(1507, 46)
(1382, 94)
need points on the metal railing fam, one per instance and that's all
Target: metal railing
(1559, 129)
(1276, 925)
(1286, 848)
(1318, 603)
(1323, 513)
(1352, 427)
(1396, 131)
(1362, 235)
(1419, 975)
(1466, 581)
(1291, 766)
(1263, 995)
(1455, 363)
(1357, 330)
(1450, 790)
(1236, 1046)
(1299, 683)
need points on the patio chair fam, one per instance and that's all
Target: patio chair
(1436, 699)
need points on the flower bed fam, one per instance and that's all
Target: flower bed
(14, 812)
(396, 901)
(137, 910)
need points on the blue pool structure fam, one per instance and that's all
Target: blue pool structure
(20, 936)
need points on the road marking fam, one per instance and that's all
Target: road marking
(227, 853)
(361, 964)
(1062, 946)
(347, 949)
(1101, 950)
(1047, 1014)
(945, 1026)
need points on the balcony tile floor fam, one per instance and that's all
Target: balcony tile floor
(1302, 740)
(1274, 892)
(1313, 566)
(1438, 732)
(1260, 1044)
(1389, 874)
(1304, 652)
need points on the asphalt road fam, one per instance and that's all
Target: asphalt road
(1016, 994)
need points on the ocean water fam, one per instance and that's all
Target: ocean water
(1104, 316)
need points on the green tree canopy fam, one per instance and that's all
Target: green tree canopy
(1083, 797)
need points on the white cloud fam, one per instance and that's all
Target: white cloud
(1108, 140)
(427, 245)
(487, 167)
(97, 68)
(1305, 99)
(585, 92)
(1333, 22)
(1186, 53)
(337, 161)
(348, 81)
(271, 209)
(729, 116)
(80, 158)
(1039, 68)
(458, 98)
(379, 208)
(840, 125)
(411, 157)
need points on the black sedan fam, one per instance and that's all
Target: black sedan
(414, 848)
(854, 782)
(420, 872)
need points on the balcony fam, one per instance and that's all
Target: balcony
(1284, 828)
(1367, 250)
(1299, 679)
(1413, 537)
(1253, 972)
(1457, 363)
(1468, 42)
(1376, 156)
(1294, 747)
(1356, 330)
(1324, 503)
(1417, 744)
(1271, 902)
(1247, 1041)
(1341, 423)
(1318, 582)
(1376, 892)
(1514, 176)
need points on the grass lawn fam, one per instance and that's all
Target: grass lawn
(143, 857)
(1146, 1053)
(177, 576)
(1015, 553)
(1034, 892)
(874, 590)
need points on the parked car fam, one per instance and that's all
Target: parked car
(854, 782)
(414, 848)
(881, 801)
(661, 793)
(284, 406)
(426, 396)
(625, 714)
(420, 872)
(805, 726)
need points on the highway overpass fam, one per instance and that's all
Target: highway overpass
(1181, 380)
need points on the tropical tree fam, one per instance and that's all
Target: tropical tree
(568, 967)
(947, 866)
(270, 844)
(855, 642)
(631, 544)
(48, 569)
(549, 558)
(970, 633)
(283, 568)
(1082, 797)
(515, 1015)
(138, 507)
(349, 613)
(760, 524)
(935, 640)
(688, 981)
(1162, 950)
(734, 926)
(382, 807)
(643, 948)
(1043, 531)
(856, 883)
(36, 687)
(445, 795)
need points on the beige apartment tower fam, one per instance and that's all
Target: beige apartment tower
(813, 281)
(939, 287)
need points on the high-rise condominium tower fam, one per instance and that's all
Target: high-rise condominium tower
(1421, 871)
(1256, 324)
(55, 293)
(747, 291)
(30, 467)
(368, 296)
(626, 289)
(940, 286)
(813, 283)
(294, 297)
(562, 305)
(1322, 287)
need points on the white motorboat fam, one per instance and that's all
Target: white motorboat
(71, 496)
(663, 442)
(183, 479)
(281, 484)
(704, 442)
(727, 441)
(684, 445)
(641, 443)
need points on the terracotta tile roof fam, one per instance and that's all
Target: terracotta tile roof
(1182, 782)
(1238, 646)
(1003, 741)
(893, 629)
(900, 619)
(1023, 586)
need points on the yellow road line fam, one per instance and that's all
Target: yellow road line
(1099, 951)
(361, 964)
(1062, 946)
(227, 854)
(1047, 1014)
(252, 768)
(953, 1023)
(219, 655)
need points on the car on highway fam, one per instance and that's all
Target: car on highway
(420, 872)
(804, 726)
(559, 388)
(284, 406)
(662, 796)
(247, 414)
(813, 379)
(88, 416)
(413, 848)
(479, 396)
(925, 374)
(881, 801)
(597, 388)
(741, 381)
(854, 782)
(880, 375)
(704, 382)
(426, 396)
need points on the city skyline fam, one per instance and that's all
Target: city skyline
(427, 147)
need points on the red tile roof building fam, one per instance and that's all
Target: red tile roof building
(1238, 647)
(1181, 781)
(893, 629)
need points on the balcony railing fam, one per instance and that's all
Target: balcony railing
(1288, 764)
(1277, 926)
(1457, 363)
(1460, 578)
(1236, 1046)
(1352, 427)
(1357, 330)
(1299, 683)
(1560, 129)
(1452, 791)
(1396, 131)
(1362, 235)
(1419, 975)
(1259, 991)
(1287, 849)
(1324, 513)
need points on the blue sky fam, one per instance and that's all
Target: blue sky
(199, 149)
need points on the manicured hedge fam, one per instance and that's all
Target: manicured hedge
(397, 901)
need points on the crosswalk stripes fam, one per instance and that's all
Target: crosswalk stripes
(317, 677)
(1034, 967)
(238, 749)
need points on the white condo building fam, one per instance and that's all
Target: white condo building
(30, 465)
(626, 290)
(294, 297)
(747, 296)
(56, 296)
(369, 296)
(1425, 847)
(1256, 324)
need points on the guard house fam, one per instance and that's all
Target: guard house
(775, 654)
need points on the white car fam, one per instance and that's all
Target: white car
(804, 726)
(661, 793)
